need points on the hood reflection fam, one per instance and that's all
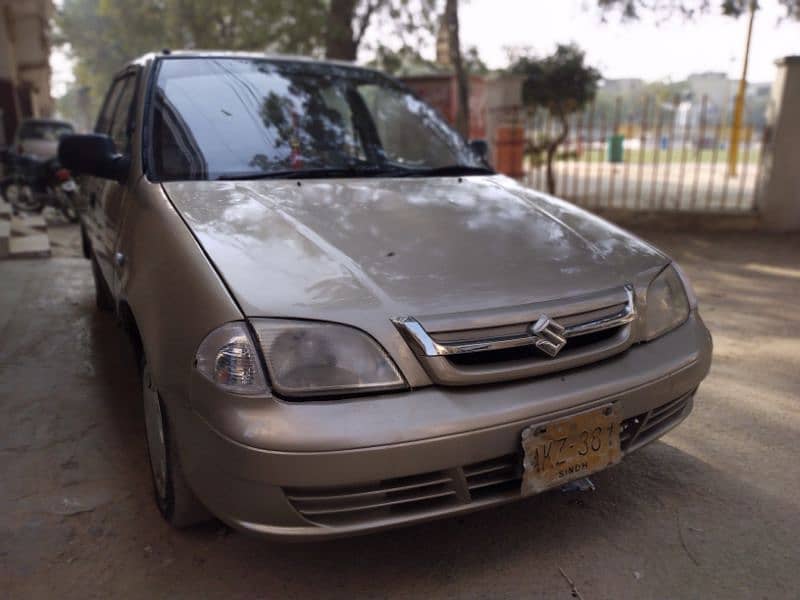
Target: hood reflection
(404, 246)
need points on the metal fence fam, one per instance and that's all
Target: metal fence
(673, 157)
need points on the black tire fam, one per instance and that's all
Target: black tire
(66, 203)
(86, 245)
(174, 498)
(102, 295)
(26, 202)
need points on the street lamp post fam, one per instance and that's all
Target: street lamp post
(738, 112)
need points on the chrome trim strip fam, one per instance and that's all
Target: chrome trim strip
(414, 331)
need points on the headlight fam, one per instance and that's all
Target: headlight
(228, 358)
(306, 358)
(667, 304)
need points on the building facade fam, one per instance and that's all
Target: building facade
(24, 63)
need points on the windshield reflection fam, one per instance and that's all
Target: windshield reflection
(240, 118)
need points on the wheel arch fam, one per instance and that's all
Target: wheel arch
(86, 243)
(128, 323)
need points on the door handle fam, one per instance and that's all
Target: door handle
(119, 258)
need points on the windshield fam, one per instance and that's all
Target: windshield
(44, 130)
(231, 118)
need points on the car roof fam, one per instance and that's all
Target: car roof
(168, 53)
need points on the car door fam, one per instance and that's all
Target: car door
(107, 197)
(92, 187)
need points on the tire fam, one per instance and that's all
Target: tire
(20, 195)
(102, 295)
(66, 203)
(175, 500)
(86, 246)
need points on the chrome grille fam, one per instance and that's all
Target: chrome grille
(592, 328)
(521, 329)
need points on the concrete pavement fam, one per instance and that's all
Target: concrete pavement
(712, 510)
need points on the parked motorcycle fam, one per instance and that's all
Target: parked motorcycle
(32, 184)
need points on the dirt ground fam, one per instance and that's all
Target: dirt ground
(710, 511)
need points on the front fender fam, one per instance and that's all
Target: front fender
(175, 294)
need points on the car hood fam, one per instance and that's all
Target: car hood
(337, 249)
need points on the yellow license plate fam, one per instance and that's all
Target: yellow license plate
(571, 448)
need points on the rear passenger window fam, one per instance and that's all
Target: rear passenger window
(104, 119)
(122, 120)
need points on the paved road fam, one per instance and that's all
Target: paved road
(713, 510)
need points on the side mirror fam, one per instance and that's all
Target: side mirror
(93, 154)
(481, 148)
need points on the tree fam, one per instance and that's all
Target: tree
(473, 62)
(404, 61)
(102, 35)
(349, 20)
(462, 79)
(629, 103)
(632, 9)
(560, 83)
(347, 23)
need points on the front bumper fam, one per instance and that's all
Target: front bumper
(326, 469)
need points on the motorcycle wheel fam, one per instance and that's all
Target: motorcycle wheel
(66, 203)
(20, 195)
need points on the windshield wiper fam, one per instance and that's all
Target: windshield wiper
(315, 173)
(451, 170)
(359, 171)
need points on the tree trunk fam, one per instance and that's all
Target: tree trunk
(462, 80)
(340, 38)
(551, 152)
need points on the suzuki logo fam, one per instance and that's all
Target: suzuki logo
(549, 335)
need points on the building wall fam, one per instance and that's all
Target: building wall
(440, 91)
(24, 63)
(719, 92)
(778, 199)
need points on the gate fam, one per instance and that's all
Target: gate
(663, 156)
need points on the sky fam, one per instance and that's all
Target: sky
(646, 49)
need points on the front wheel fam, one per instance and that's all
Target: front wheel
(175, 500)
(20, 195)
(66, 204)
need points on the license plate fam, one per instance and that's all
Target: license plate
(571, 448)
(69, 186)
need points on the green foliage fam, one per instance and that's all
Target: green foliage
(102, 35)
(633, 9)
(408, 61)
(630, 104)
(404, 61)
(562, 83)
(473, 63)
